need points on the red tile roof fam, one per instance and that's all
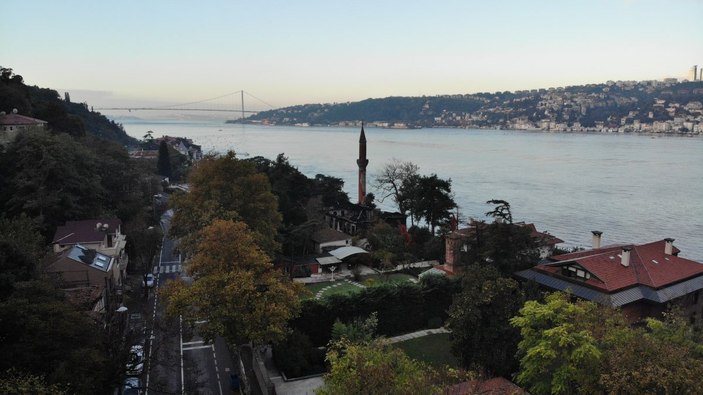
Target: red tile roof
(649, 265)
(84, 231)
(543, 238)
(17, 119)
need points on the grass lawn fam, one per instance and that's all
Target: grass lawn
(432, 349)
(387, 278)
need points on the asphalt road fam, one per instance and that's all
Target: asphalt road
(179, 361)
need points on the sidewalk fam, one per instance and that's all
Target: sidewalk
(414, 335)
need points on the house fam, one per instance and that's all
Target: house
(328, 239)
(352, 218)
(11, 124)
(88, 278)
(101, 235)
(80, 266)
(460, 240)
(639, 279)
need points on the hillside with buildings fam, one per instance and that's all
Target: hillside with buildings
(667, 106)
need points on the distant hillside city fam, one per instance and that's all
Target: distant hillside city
(667, 106)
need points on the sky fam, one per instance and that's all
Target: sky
(153, 52)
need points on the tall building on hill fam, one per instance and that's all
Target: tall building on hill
(694, 72)
(362, 162)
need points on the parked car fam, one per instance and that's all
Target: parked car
(149, 282)
(132, 386)
(135, 364)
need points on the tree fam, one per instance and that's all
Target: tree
(230, 189)
(51, 179)
(392, 178)
(43, 335)
(377, 368)
(235, 291)
(482, 337)
(501, 211)
(429, 198)
(142, 246)
(358, 331)
(163, 164)
(331, 189)
(581, 347)
(559, 353)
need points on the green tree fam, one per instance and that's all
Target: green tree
(559, 351)
(163, 164)
(430, 198)
(231, 189)
(51, 179)
(378, 368)
(331, 189)
(482, 336)
(501, 211)
(235, 291)
(358, 331)
(44, 335)
(13, 381)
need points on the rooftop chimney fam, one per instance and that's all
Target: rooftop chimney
(668, 246)
(596, 238)
(626, 256)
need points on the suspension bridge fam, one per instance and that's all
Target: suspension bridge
(220, 103)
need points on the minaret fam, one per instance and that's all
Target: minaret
(362, 162)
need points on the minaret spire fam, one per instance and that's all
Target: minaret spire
(362, 162)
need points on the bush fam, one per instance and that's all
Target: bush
(434, 323)
(297, 357)
(401, 308)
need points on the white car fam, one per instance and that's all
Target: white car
(135, 364)
(149, 282)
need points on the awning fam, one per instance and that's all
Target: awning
(328, 260)
(344, 252)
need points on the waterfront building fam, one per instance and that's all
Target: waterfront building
(642, 280)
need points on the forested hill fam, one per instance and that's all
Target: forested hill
(666, 106)
(63, 116)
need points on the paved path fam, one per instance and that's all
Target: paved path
(319, 293)
(414, 335)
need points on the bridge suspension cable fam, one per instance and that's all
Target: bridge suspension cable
(180, 106)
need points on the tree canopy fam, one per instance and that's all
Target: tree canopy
(226, 188)
(235, 289)
(581, 347)
(377, 368)
(482, 337)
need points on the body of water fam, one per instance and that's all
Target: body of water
(634, 188)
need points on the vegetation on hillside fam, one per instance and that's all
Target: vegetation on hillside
(607, 103)
(63, 116)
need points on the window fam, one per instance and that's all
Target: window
(574, 272)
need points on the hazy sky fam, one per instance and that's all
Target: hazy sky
(295, 52)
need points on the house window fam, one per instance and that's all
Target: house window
(574, 272)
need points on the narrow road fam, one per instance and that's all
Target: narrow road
(179, 361)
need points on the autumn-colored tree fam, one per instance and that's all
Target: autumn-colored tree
(235, 290)
(230, 189)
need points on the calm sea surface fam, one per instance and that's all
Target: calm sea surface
(633, 188)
